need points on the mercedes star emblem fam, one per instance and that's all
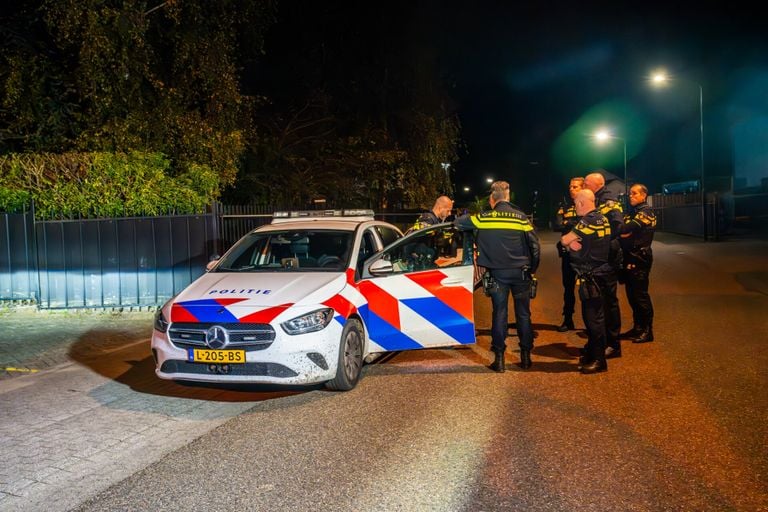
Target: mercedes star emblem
(216, 337)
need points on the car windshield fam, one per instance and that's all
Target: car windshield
(290, 250)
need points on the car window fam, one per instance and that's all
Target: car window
(304, 250)
(430, 249)
(388, 235)
(368, 248)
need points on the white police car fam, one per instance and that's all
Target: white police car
(311, 296)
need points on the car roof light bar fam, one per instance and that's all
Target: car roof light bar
(283, 216)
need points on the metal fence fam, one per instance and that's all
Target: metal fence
(121, 262)
(103, 263)
(237, 220)
(18, 269)
(684, 214)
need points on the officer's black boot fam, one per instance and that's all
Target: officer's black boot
(525, 359)
(596, 366)
(584, 356)
(632, 333)
(567, 324)
(498, 362)
(644, 336)
(612, 352)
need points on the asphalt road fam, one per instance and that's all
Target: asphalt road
(677, 424)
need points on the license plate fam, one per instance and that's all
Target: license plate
(202, 355)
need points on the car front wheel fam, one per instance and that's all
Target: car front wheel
(350, 362)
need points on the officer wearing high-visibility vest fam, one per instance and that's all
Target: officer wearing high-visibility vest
(565, 220)
(439, 212)
(589, 243)
(508, 248)
(636, 238)
(608, 205)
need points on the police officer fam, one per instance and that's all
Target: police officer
(439, 212)
(607, 203)
(565, 219)
(636, 237)
(509, 249)
(589, 244)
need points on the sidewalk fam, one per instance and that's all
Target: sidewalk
(82, 408)
(35, 340)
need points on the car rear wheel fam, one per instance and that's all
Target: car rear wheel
(350, 363)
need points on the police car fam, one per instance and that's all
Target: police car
(312, 296)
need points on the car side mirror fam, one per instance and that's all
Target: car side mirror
(381, 267)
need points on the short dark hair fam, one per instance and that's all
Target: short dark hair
(500, 191)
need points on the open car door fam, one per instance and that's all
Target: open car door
(419, 291)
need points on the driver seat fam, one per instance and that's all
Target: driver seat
(301, 253)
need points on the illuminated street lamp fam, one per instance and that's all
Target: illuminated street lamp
(489, 180)
(604, 135)
(466, 189)
(660, 79)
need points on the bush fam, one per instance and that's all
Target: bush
(103, 185)
(13, 200)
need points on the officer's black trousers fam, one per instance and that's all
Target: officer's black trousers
(639, 298)
(569, 285)
(593, 314)
(608, 284)
(520, 291)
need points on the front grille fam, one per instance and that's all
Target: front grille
(247, 369)
(248, 336)
(248, 348)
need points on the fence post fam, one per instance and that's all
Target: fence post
(216, 234)
(36, 252)
(29, 249)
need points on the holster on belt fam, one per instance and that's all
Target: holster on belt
(489, 284)
(640, 258)
(588, 287)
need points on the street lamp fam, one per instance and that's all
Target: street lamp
(659, 79)
(604, 135)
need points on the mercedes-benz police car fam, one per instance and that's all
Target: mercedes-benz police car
(312, 296)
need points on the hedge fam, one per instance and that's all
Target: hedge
(102, 184)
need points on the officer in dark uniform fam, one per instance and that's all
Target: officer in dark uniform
(565, 219)
(509, 249)
(439, 212)
(636, 237)
(589, 243)
(609, 206)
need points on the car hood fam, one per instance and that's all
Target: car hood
(262, 289)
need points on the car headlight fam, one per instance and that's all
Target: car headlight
(311, 322)
(161, 324)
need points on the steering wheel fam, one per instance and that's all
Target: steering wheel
(328, 261)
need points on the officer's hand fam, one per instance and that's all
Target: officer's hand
(575, 245)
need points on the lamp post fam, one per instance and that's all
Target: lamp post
(603, 135)
(659, 79)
